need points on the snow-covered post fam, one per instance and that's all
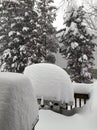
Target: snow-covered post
(18, 104)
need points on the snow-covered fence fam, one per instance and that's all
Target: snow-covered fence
(18, 104)
(51, 83)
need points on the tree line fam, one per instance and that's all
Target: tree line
(27, 34)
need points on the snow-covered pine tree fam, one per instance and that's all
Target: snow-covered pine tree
(18, 34)
(47, 32)
(78, 46)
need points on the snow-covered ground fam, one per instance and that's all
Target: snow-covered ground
(18, 104)
(50, 82)
(86, 119)
(50, 120)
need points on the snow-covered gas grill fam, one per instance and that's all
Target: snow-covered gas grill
(18, 104)
(51, 83)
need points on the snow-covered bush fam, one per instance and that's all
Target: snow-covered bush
(50, 82)
(18, 105)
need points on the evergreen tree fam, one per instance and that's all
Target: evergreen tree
(47, 33)
(18, 35)
(78, 46)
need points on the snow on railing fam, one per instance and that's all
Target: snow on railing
(80, 100)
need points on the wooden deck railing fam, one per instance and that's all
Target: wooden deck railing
(80, 100)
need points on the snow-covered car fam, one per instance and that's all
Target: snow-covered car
(18, 103)
(51, 83)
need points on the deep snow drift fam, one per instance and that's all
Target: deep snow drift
(50, 82)
(86, 119)
(50, 120)
(18, 105)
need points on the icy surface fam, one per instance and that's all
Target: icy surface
(50, 82)
(84, 120)
(18, 106)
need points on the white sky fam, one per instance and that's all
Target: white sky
(59, 19)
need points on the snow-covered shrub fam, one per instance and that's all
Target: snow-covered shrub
(18, 105)
(50, 82)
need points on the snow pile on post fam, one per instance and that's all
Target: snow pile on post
(18, 105)
(51, 82)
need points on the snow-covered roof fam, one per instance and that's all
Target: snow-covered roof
(50, 82)
(18, 104)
